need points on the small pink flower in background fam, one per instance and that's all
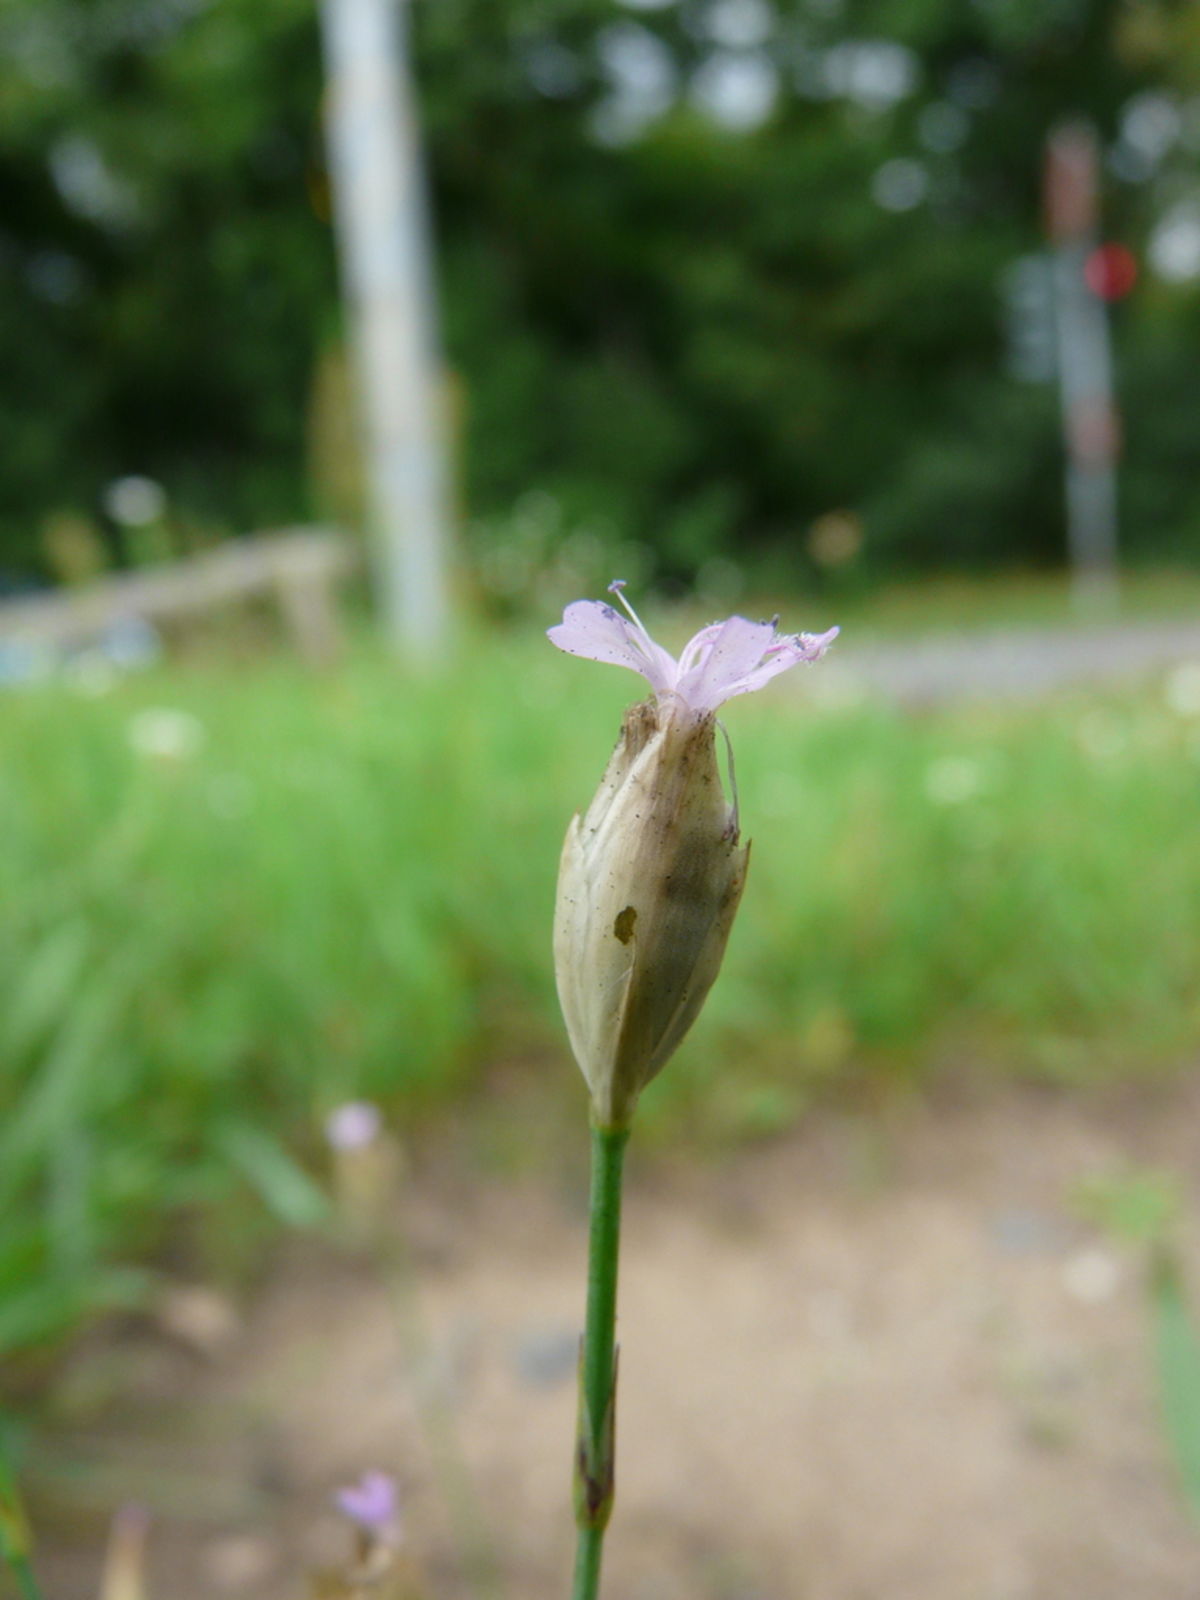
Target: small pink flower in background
(353, 1126)
(372, 1504)
(725, 659)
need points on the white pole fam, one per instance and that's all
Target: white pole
(379, 213)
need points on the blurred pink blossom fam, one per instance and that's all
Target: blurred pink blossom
(353, 1126)
(372, 1503)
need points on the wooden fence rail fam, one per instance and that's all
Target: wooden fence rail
(297, 567)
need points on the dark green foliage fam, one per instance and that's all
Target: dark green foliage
(163, 320)
(701, 339)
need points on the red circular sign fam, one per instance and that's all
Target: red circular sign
(1111, 271)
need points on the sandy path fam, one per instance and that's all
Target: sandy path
(872, 1361)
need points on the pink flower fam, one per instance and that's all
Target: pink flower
(725, 659)
(371, 1503)
(353, 1126)
(652, 872)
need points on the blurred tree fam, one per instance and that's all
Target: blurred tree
(711, 269)
(164, 279)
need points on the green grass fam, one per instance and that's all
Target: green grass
(346, 888)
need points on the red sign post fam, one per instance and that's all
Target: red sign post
(1085, 275)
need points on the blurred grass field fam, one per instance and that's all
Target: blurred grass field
(238, 895)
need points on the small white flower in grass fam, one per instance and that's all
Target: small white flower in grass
(651, 874)
(134, 500)
(163, 734)
(1182, 689)
(91, 675)
(1102, 738)
(1091, 1276)
(950, 780)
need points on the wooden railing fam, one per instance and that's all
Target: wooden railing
(298, 568)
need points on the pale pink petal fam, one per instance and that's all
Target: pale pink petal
(738, 656)
(372, 1502)
(697, 648)
(353, 1126)
(720, 656)
(592, 629)
(725, 659)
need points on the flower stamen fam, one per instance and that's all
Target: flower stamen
(617, 587)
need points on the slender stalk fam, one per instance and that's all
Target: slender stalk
(588, 1550)
(14, 1529)
(594, 1450)
(26, 1581)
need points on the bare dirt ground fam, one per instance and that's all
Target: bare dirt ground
(882, 1358)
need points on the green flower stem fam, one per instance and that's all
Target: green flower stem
(14, 1530)
(594, 1451)
(26, 1581)
(588, 1550)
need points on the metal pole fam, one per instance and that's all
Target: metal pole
(1089, 416)
(380, 219)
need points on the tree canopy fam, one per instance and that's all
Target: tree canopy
(712, 272)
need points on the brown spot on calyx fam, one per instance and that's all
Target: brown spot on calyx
(623, 926)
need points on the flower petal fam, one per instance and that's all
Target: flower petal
(594, 630)
(737, 657)
(698, 648)
(353, 1126)
(371, 1502)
